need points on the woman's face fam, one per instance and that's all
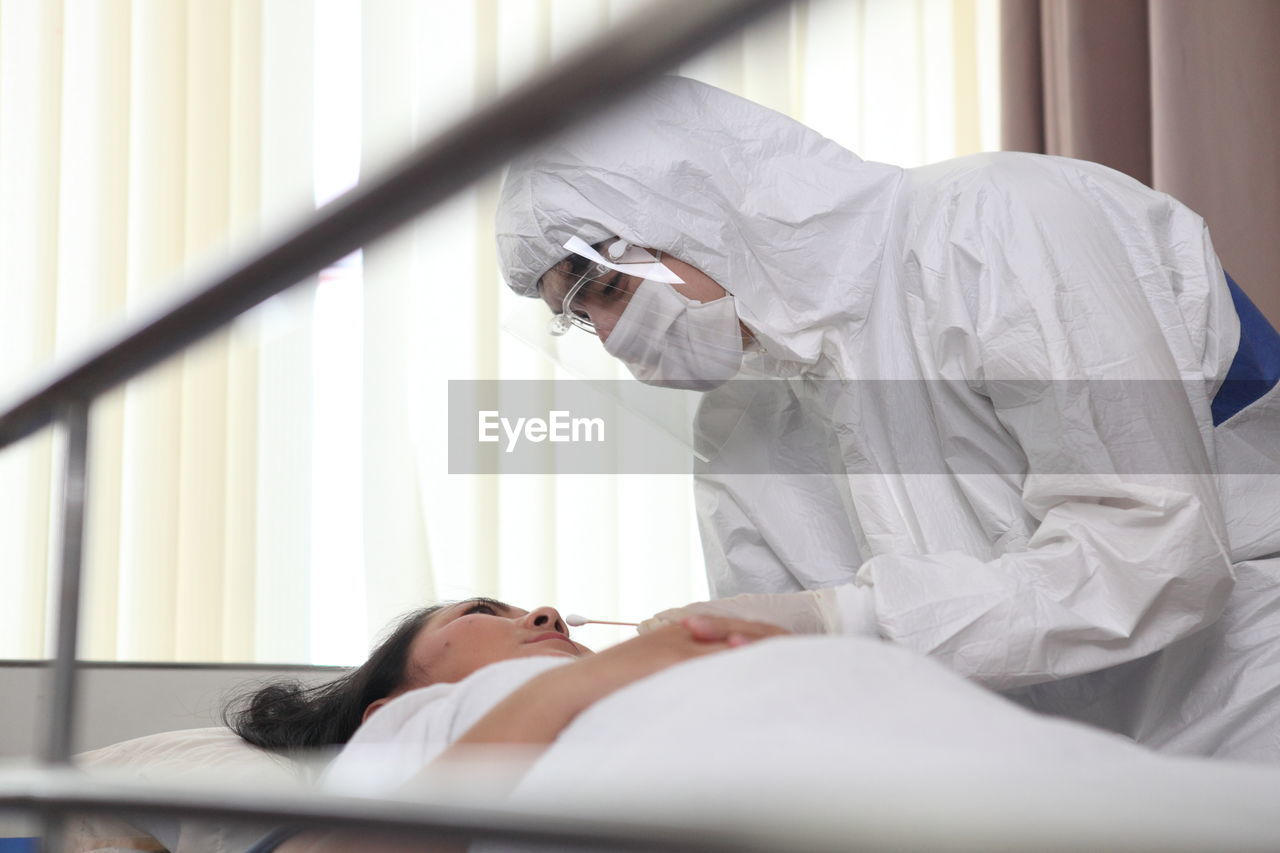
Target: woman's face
(461, 638)
(603, 299)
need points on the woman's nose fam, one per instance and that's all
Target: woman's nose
(547, 617)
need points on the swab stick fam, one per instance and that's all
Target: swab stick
(575, 620)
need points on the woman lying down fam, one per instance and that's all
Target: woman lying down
(711, 706)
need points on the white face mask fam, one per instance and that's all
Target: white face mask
(667, 339)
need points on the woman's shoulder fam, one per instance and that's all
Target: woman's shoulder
(412, 729)
(488, 685)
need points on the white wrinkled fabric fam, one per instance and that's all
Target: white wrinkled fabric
(775, 703)
(1040, 496)
(848, 737)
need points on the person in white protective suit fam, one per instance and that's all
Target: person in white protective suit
(1025, 423)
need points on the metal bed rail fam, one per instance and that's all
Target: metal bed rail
(63, 790)
(1134, 807)
(602, 72)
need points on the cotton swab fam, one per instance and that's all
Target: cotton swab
(575, 620)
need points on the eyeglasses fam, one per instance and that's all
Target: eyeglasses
(568, 318)
(610, 278)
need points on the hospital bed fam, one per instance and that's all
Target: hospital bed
(816, 811)
(182, 782)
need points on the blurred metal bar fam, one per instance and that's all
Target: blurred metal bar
(74, 418)
(55, 792)
(605, 70)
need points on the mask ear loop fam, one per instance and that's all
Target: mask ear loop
(751, 336)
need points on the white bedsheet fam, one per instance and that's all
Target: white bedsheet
(777, 703)
(836, 735)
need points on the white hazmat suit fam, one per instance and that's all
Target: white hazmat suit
(995, 430)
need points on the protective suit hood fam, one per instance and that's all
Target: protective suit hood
(789, 222)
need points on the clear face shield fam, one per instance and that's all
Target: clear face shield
(632, 323)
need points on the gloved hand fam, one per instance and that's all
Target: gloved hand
(809, 612)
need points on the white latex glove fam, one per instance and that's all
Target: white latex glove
(837, 610)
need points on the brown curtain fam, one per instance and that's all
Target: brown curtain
(1181, 94)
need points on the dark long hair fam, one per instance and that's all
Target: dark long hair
(287, 715)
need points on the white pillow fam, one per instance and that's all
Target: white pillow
(205, 755)
(190, 753)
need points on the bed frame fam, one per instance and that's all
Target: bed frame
(599, 74)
